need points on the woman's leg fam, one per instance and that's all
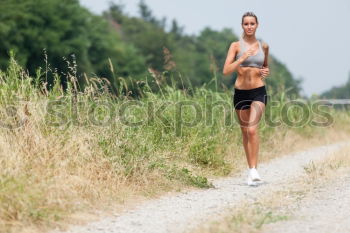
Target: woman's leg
(256, 110)
(243, 116)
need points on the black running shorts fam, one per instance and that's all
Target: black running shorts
(242, 99)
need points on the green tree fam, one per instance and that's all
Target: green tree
(145, 33)
(67, 32)
(338, 92)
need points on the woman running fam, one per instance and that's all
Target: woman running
(248, 57)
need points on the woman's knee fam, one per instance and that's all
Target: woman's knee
(245, 136)
(251, 131)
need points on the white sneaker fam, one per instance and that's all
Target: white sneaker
(250, 181)
(254, 174)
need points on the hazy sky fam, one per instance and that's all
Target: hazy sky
(311, 37)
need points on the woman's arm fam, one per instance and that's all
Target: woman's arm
(265, 71)
(266, 51)
(231, 65)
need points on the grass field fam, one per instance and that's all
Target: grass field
(75, 151)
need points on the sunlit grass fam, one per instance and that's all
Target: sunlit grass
(67, 151)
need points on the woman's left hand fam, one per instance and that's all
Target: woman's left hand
(264, 72)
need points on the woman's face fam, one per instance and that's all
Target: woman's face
(249, 25)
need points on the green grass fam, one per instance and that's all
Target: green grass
(180, 136)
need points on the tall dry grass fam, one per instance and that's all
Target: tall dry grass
(61, 158)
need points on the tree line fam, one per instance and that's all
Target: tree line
(62, 37)
(338, 92)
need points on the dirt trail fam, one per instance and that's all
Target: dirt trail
(328, 210)
(187, 210)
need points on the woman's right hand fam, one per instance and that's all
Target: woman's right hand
(247, 54)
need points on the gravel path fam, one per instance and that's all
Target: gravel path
(328, 210)
(185, 211)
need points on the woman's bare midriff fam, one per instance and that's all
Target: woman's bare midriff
(248, 78)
